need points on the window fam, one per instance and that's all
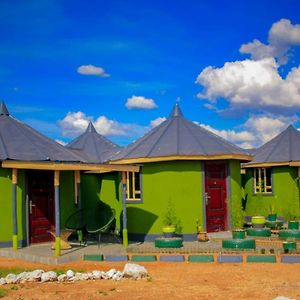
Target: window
(133, 186)
(262, 181)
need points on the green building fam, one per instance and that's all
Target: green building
(184, 169)
(40, 183)
(271, 179)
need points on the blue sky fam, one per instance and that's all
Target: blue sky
(234, 66)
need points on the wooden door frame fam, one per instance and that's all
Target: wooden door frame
(228, 194)
(27, 199)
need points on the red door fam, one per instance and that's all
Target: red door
(41, 205)
(215, 196)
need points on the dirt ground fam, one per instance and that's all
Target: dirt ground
(167, 281)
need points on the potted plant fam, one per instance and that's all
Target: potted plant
(258, 221)
(201, 235)
(293, 224)
(170, 222)
(272, 216)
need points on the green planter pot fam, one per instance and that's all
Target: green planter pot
(272, 217)
(289, 245)
(169, 231)
(238, 234)
(168, 242)
(265, 232)
(258, 221)
(293, 225)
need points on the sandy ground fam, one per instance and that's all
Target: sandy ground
(167, 281)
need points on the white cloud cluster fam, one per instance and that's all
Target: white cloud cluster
(140, 102)
(256, 131)
(282, 35)
(157, 121)
(75, 123)
(92, 70)
(252, 83)
(256, 82)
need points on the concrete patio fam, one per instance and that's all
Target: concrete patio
(42, 253)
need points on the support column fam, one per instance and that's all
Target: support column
(57, 213)
(78, 202)
(124, 231)
(14, 209)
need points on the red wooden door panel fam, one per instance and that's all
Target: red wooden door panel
(41, 205)
(215, 196)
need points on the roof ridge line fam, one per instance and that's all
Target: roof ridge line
(276, 144)
(195, 137)
(141, 139)
(165, 129)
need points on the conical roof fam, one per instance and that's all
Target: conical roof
(284, 148)
(18, 141)
(94, 147)
(176, 139)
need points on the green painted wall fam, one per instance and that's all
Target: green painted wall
(67, 196)
(285, 197)
(236, 212)
(6, 224)
(176, 182)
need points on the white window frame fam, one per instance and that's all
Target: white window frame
(260, 177)
(133, 194)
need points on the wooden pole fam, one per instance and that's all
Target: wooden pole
(14, 209)
(124, 231)
(57, 213)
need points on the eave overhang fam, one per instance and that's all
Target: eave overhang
(183, 157)
(64, 166)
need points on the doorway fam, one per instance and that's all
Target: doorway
(41, 205)
(215, 196)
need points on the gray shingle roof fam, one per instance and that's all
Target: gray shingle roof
(93, 147)
(18, 141)
(285, 147)
(179, 137)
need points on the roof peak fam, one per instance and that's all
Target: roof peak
(176, 111)
(3, 109)
(91, 128)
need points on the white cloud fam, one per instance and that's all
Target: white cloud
(232, 135)
(282, 35)
(256, 131)
(140, 102)
(92, 70)
(157, 121)
(61, 142)
(251, 83)
(75, 123)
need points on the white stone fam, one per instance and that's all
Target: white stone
(2, 281)
(35, 275)
(22, 277)
(117, 276)
(62, 278)
(109, 274)
(49, 276)
(11, 278)
(70, 274)
(135, 271)
(97, 274)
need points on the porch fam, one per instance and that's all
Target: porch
(42, 253)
